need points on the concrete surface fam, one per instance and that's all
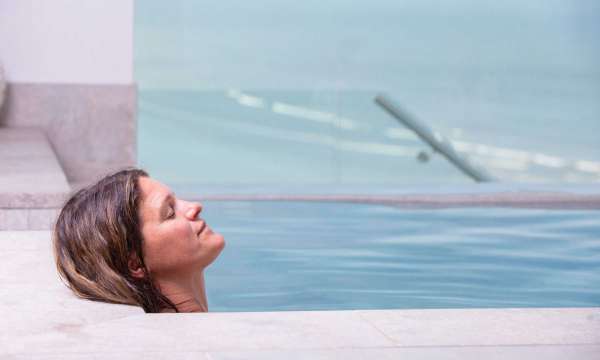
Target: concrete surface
(92, 128)
(32, 183)
(30, 174)
(42, 319)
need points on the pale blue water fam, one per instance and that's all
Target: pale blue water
(280, 92)
(317, 256)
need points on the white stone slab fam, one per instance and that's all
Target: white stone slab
(14, 219)
(546, 352)
(30, 174)
(27, 219)
(33, 300)
(452, 327)
(108, 355)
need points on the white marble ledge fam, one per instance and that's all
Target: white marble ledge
(562, 329)
(546, 352)
(27, 219)
(30, 173)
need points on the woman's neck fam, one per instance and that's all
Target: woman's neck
(187, 293)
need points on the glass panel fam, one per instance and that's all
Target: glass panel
(279, 92)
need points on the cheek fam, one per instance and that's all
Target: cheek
(169, 249)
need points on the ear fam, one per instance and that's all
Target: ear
(135, 269)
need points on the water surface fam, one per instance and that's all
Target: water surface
(320, 256)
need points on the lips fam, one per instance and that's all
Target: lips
(202, 228)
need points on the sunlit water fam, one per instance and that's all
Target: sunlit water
(317, 256)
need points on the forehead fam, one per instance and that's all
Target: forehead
(153, 193)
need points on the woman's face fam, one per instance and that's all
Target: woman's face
(176, 241)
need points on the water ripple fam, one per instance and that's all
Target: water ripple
(309, 256)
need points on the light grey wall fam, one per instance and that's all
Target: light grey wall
(92, 128)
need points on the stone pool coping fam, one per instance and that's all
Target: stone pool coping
(537, 196)
(42, 319)
(528, 200)
(354, 334)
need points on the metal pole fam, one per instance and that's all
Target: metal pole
(427, 135)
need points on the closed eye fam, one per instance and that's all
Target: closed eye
(172, 214)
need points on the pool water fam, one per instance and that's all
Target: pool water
(332, 255)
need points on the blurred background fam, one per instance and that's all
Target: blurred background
(281, 92)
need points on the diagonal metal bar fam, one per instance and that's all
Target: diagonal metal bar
(427, 136)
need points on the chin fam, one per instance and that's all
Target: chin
(217, 243)
(220, 242)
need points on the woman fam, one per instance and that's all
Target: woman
(128, 240)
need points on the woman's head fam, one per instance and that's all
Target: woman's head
(116, 239)
(176, 242)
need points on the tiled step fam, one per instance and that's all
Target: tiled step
(33, 185)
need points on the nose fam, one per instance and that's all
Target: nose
(194, 209)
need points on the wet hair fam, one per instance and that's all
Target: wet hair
(95, 233)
